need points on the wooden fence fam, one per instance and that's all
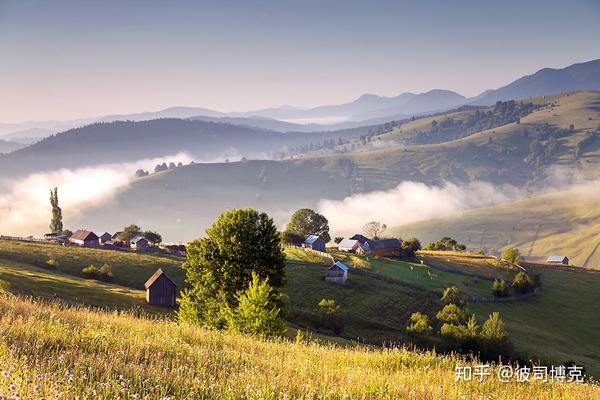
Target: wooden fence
(25, 239)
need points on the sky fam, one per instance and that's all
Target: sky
(75, 59)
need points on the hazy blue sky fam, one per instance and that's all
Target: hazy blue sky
(67, 59)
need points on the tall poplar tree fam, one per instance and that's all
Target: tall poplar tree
(56, 225)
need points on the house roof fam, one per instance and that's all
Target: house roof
(311, 239)
(155, 276)
(347, 243)
(104, 234)
(84, 235)
(137, 239)
(361, 239)
(340, 265)
(383, 243)
(556, 258)
(117, 234)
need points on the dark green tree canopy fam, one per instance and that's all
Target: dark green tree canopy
(130, 231)
(153, 237)
(306, 222)
(239, 243)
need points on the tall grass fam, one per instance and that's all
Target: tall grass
(56, 351)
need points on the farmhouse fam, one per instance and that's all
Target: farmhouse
(84, 238)
(314, 242)
(139, 243)
(361, 239)
(384, 248)
(105, 237)
(348, 245)
(558, 260)
(160, 289)
(337, 273)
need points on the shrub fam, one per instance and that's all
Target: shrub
(522, 283)
(452, 295)
(52, 263)
(419, 323)
(91, 271)
(256, 313)
(452, 314)
(511, 255)
(291, 238)
(103, 273)
(500, 288)
(493, 328)
(331, 315)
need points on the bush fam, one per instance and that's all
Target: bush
(419, 323)
(500, 288)
(511, 255)
(257, 314)
(522, 283)
(291, 238)
(331, 315)
(52, 264)
(452, 295)
(452, 314)
(103, 273)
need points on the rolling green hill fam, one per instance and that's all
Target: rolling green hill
(375, 309)
(566, 223)
(180, 203)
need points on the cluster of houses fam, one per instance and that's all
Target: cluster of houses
(359, 244)
(85, 238)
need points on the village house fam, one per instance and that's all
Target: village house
(337, 273)
(116, 235)
(361, 239)
(314, 242)
(105, 237)
(160, 289)
(348, 245)
(81, 237)
(383, 248)
(139, 243)
(558, 260)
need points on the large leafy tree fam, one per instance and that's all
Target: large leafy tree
(56, 224)
(239, 243)
(306, 222)
(130, 231)
(153, 237)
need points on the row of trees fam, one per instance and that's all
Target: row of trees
(459, 330)
(446, 244)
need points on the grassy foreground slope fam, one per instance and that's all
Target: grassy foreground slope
(564, 223)
(60, 352)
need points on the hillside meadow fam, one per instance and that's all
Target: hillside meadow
(56, 351)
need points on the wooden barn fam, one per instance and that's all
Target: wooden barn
(139, 243)
(337, 273)
(314, 242)
(84, 238)
(384, 248)
(105, 237)
(160, 290)
(564, 260)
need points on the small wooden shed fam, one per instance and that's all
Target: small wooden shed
(337, 273)
(564, 260)
(160, 289)
(314, 242)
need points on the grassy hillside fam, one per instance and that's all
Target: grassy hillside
(561, 223)
(521, 154)
(374, 309)
(82, 353)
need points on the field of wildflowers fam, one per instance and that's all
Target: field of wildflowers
(54, 351)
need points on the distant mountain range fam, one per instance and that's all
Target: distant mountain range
(368, 109)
